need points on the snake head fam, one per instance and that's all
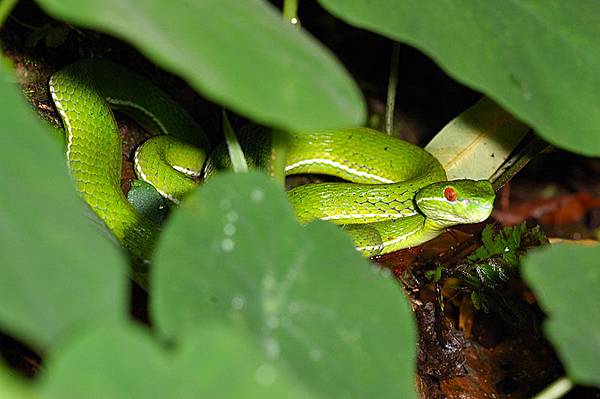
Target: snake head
(456, 202)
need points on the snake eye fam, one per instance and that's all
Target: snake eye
(450, 194)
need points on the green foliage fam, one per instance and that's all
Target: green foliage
(504, 243)
(12, 387)
(241, 54)
(487, 273)
(565, 279)
(436, 274)
(477, 142)
(272, 316)
(126, 362)
(257, 306)
(236, 154)
(491, 266)
(533, 57)
(57, 273)
(234, 255)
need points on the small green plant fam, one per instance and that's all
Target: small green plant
(491, 267)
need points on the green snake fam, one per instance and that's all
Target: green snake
(396, 195)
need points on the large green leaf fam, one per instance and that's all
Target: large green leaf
(477, 142)
(238, 53)
(56, 270)
(233, 254)
(565, 279)
(537, 58)
(118, 362)
(11, 387)
(125, 362)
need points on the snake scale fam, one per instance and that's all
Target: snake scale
(396, 195)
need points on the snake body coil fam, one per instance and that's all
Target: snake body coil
(396, 196)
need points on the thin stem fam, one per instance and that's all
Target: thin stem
(23, 24)
(518, 161)
(391, 91)
(555, 390)
(6, 7)
(290, 12)
(238, 160)
(278, 154)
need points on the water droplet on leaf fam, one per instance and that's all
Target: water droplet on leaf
(257, 195)
(265, 375)
(229, 229)
(227, 244)
(238, 302)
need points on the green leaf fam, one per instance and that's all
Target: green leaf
(504, 242)
(492, 241)
(56, 271)
(538, 59)
(241, 54)
(116, 362)
(476, 300)
(435, 275)
(235, 367)
(125, 362)
(477, 142)
(233, 254)
(565, 279)
(11, 387)
(236, 155)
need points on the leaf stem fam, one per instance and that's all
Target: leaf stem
(518, 161)
(391, 91)
(290, 12)
(6, 7)
(238, 160)
(23, 24)
(278, 153)
(555, 390)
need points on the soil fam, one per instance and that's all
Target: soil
(463, 352)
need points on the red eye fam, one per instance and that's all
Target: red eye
(450, 194)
